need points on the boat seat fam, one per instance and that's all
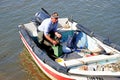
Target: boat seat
(32, 29)
(88, 60)
(62, 22)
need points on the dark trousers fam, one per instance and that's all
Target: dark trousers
(47, 45)
(43, 40)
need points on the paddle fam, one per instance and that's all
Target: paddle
(45, 11)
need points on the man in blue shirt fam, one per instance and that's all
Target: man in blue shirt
(48, 30)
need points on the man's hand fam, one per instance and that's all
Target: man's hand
(58, 35)
(54, 42)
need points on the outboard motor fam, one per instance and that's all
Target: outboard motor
(39, 17)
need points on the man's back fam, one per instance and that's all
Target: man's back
(47, 25)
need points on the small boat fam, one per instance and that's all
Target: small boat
(85, 55)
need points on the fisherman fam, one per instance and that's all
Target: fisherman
(48, 30)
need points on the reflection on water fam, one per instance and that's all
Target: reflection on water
(28, 64)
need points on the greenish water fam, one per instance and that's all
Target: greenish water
(101, 16)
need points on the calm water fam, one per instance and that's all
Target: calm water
(101, 16)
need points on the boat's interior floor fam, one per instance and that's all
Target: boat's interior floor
(69, 56)
(65, 56)
(75, 54)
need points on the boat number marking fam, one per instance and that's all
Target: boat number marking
(95, 78)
